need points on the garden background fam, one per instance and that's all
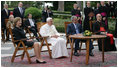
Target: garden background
(61, 11)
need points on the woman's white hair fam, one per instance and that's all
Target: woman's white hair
(48, 19)
(11, 16)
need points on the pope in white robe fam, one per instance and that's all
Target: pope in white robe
(58, 44)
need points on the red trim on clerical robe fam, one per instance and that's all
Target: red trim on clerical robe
(111, 38)
(77, 15)
(11, 12)
(108, 34)
(102, 29)
(104, 14)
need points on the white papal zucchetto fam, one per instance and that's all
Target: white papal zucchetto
(48, 19)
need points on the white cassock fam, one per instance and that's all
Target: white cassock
(58, 44)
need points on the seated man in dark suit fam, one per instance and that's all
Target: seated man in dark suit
(76, 28)
(30, 23)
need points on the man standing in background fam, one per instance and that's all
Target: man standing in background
(87, 12)
(19, 11)
(96, 11)
(5, 13)
(103, 10)
(46, 13)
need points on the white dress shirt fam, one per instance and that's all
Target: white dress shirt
(21, 10)
(76, 28)
(6, 11)
(31, 22)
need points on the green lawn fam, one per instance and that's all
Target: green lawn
(112, 23)
(60, 22)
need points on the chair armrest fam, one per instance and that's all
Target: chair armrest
(36, 37)
(67, 35)
(20, 40)
(45, 36)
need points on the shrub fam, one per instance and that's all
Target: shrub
(36, 13)
(59, 24)
(68, 6)
(112, 23)
(60, 29)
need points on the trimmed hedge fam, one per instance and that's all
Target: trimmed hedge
(11, 9)
(60, 29)
(65, 12)
(36, 13)
(62, 16)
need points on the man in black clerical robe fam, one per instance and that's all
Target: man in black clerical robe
(76, 12)
(87, 11)
(99, 27)
(103, 10)
(96, 11)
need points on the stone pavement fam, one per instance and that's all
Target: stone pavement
(7, 48)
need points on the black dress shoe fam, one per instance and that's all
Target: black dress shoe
(40, 62)
(76, 54)
(38, 39)
(91, 54)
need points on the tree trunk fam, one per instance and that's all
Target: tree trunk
(61, 6)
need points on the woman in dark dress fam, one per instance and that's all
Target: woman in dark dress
(19, 34)
(99, 27)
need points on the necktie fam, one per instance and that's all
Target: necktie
(21, 11)
(77, 30)
(31, 22)
(48, 15)
(6, 11)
